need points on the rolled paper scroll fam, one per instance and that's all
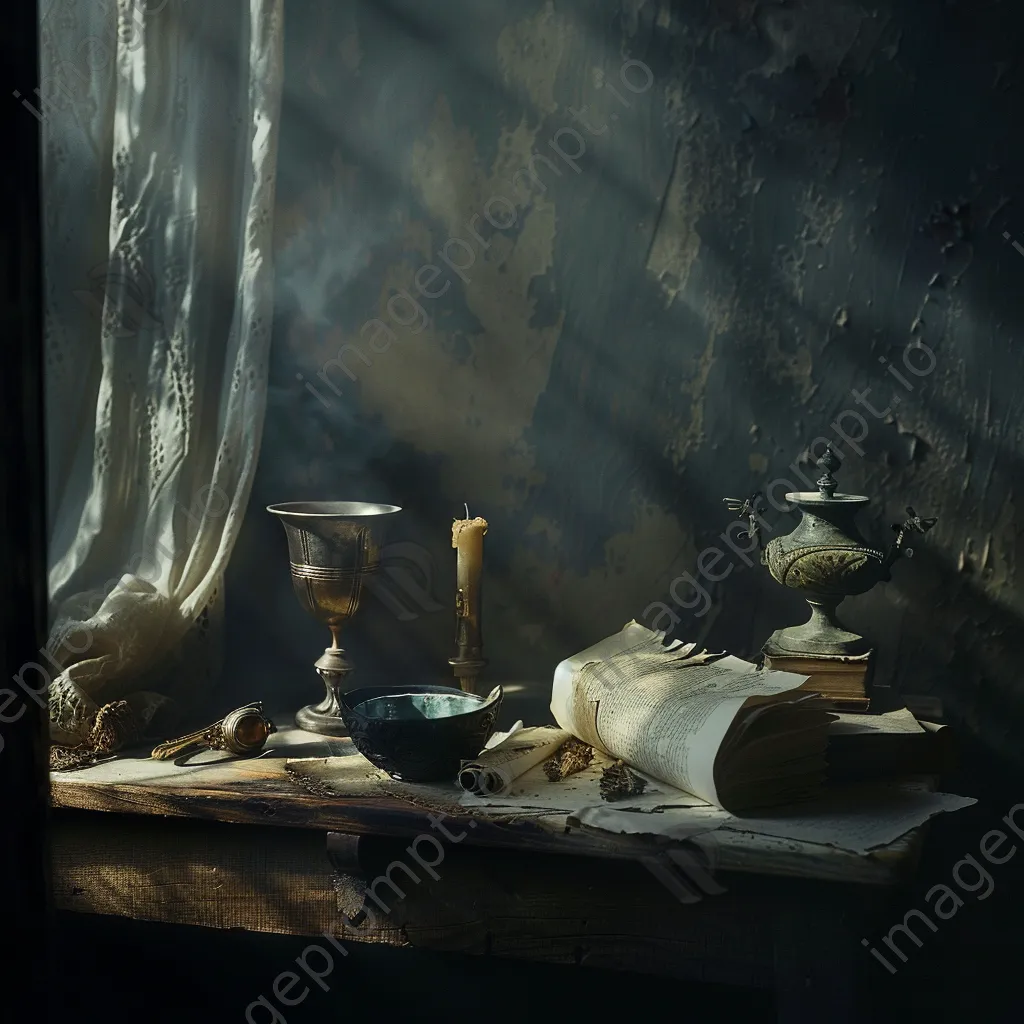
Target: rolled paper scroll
(497, 767)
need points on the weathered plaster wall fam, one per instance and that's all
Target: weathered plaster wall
(670, 312)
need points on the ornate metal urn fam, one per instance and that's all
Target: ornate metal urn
(826, 559)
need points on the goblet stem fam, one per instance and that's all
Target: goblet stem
(333, 667)
(335, 628)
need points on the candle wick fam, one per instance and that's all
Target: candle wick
(465, 505)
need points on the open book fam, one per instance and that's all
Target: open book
(718, 727)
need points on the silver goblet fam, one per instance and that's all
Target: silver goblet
(333, 546)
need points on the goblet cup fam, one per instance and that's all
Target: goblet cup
(333, 547)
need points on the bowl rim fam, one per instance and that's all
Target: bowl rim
(421, 689)
(357, 509)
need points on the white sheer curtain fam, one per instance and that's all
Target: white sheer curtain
(160, 124)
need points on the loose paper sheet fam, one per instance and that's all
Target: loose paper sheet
(857, 821)
(675, 822)
(902, 721)
(669, 724)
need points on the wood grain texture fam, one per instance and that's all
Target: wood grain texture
(195, 873)
(242, 845)
(500, 903)
(363, 802)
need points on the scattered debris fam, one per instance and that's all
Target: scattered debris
(618, 782)
(572, 756)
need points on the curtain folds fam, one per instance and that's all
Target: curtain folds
(160, 125)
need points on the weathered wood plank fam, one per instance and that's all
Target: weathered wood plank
(545, 908)
(260, 792)
(260, 880)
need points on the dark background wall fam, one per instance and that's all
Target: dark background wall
(802, 191)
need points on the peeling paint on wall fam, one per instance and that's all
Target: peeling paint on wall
(692, 189)
(822, 32)
(530, 54)
(687, 435)
(783, 209)
(632, 574)
(469, 394)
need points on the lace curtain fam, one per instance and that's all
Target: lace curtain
(160, 123)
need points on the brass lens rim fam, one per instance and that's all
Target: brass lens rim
(236, 728)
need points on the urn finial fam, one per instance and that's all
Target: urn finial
(828, 462)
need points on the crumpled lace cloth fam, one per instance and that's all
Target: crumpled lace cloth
(159, 155)
(114, 726)
(135, 647)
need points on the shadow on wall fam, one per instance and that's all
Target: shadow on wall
(739, 251)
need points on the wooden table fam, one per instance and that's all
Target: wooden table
(243, 845)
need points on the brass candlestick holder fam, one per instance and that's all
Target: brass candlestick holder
(469, 660)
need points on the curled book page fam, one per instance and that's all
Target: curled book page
(499, 766)
(715, 726)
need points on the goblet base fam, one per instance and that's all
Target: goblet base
(313, 718)
(333, 667)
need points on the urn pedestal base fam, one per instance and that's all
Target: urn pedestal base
(820, 635)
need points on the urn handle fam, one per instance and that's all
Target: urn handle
(912, 524)
(749, 509)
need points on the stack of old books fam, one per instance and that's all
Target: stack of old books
(863, 748)
(842, 681)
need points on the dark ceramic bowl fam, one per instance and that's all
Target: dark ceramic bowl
(419, 733)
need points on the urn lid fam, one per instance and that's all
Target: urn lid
(826, 492)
